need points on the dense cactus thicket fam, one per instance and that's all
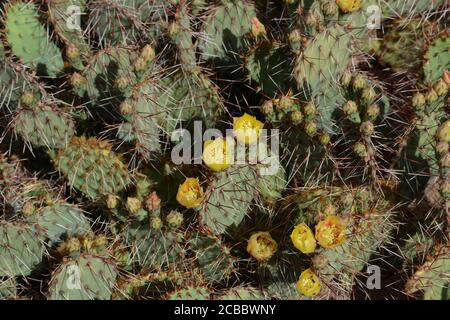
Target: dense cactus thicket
(352, 94)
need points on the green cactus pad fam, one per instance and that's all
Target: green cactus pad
(61, 219)
(432, 278)
(182, 100)
(8, 288)
(225, 29)
(126, 20)
(29, 39)
(404, 34)
(213, 257)
(91, 167)
(323, 60)
(21, 248)
(242, 293)
(44, 127)
(437, 58)
(155, 248)
(103, 71)
(267, 65)
(65, 16)
(86, 278)
(190, 293)
(141, 127)
(228, 199)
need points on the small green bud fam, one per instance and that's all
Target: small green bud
(372, 112)
(175, 219)
(139, 64)
(419, 101)
(125, 108)
(346, 79)
(350, 108)
(133, 205)
(28, 209)
(330, 8)
(77, 80)
(309, 109)
(431, 96)
(267, 107)
(295, 36)
(285, 103)
(111, 201)
(324, 139)
(311, 128)
(122, 82)
(27, 98)
(296, 117)
(443, 132)
(367, 128)
(360, 149)
(147, 53)
(311, 20)
(368, 95)
(359, 82)
(72, 52)
(156, 223)
(441, 88)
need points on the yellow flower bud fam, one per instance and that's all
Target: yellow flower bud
(303, 238)
(218, 154)
(347, 6)
(308, 283)
(258, 29)
(330, 232)
(133, 205)
(261, 246)
(247, 128)
(190, 193)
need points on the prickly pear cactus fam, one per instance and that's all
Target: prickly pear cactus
(86, 278)
(224, 150)
(29, 39)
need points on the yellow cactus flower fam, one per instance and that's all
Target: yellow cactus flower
(247, 128)
(347, 6)
(330, 232)
(190, 193)
(308, 283)
(303, 238)
(218, 154)
(261, 246)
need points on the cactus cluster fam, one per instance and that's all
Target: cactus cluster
(97, 97)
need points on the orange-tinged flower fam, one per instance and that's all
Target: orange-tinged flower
(247, 128)
(261, 246)
(258, 29)
(347, 6)
(330, 232)
(303, 238)
(218, 154)
(190, 193)
(308, 283)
